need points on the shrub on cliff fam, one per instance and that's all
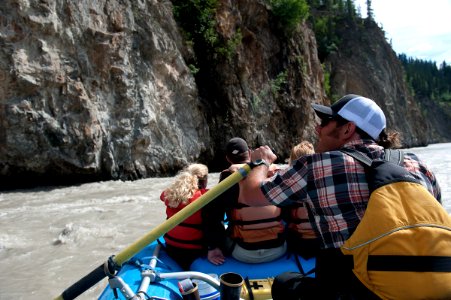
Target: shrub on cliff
(290, 12)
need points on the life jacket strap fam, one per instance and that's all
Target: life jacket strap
(268, 220)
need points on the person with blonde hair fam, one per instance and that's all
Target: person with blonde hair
(301, 149)
(301, 236)
(185, 242)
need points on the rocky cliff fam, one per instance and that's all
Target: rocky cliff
(99, 90)
(365, 64)
(95, 90)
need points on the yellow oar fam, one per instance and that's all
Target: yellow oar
(107, 268)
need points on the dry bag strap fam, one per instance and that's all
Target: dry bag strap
(358, 156)
(391, 155)
(394, 156)
(400, 263)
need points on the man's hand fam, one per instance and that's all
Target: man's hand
(263, 152)
(215, 256)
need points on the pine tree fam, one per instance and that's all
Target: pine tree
(350, 9)
(369, 10)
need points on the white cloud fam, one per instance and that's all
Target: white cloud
(418, 28)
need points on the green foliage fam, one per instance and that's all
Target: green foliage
(274, 87)
(426, 79)
(369, 10)
(324, 16)
(256, 100)
(350, 9)
(197, 18)
(327, 86)
(290, 13)
(229, 49)
(276, 84)
(193, 69)
(302, 65)
(327, 39)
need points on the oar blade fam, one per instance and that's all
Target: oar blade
(83, 284)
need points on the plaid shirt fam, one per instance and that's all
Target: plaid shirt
(334, 189)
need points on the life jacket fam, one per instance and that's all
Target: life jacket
(260, 225)
(401, 249)
(299, 224)
(188, 234)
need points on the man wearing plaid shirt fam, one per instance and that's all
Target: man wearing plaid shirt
(332, 185)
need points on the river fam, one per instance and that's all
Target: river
(51, 237)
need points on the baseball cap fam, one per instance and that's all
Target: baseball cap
(364, 112)
(235, 147)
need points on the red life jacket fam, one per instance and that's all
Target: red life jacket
(188, 234)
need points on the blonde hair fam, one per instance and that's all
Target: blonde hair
(186, 183)
(301, 149)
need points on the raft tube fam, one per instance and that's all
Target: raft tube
(261, 274)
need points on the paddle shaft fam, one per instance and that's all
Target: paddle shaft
(99, 273)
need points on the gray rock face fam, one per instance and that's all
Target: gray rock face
(99, 90)
(365, 64)
(95, 88)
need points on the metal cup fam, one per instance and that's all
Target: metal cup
(230, 286)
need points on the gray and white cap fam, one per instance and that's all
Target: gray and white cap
(364, 112)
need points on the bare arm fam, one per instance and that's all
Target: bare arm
(250, 186)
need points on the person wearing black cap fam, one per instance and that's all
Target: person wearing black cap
(332, 185)
(237, 152)
(233, 241)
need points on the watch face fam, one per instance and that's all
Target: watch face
(259, 162)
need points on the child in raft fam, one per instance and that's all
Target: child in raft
(185, 242)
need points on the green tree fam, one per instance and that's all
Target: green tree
(369, 10)
(428, 80)
(290, 12)
(350, 9)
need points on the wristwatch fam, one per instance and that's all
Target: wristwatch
(259, 162)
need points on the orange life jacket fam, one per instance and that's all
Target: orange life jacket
(188, 234)
(262, 224)
(299, 224)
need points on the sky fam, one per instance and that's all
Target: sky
(417, 28)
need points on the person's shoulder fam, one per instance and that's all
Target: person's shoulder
(410, 155)
(224, 174)
(366, 146)
(198, 194)
(227, 172)
(411, 159)
(324, 155)
(235, 167)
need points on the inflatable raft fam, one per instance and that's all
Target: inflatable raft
(145, 271)
(152, 274)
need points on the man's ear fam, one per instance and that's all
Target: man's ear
(348, 130)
